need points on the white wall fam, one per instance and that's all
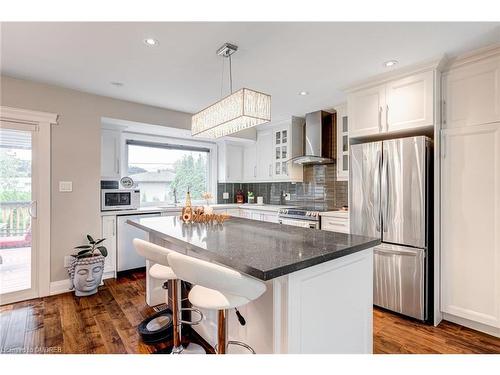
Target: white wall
(76, 153)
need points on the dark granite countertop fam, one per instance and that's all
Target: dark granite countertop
(261, 249)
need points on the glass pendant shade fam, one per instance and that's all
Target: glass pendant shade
(241, 110)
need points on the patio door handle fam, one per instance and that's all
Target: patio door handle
(32, 210)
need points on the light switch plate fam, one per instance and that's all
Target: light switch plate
(65, 186)
(225, 195)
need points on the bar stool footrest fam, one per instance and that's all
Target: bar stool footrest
(242, 344)
(195, 322)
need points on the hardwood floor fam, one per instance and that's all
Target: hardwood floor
(393, 333)
(107, 321)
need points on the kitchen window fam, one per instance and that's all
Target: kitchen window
(164, 172)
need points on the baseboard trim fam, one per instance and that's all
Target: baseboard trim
(493, 331)
(63, 286)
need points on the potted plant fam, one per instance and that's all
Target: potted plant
(86, 268)
(250, 197)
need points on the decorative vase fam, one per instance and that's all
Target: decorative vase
(86, 275)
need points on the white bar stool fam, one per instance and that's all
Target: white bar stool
(163, 272)
(216, 288)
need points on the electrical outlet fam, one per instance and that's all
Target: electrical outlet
(225, 195)
(287, 196)
(67, 261)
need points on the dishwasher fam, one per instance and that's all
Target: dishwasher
(127, 257)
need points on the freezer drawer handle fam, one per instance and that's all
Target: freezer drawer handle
(397, 252)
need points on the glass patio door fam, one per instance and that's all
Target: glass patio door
(17, 213)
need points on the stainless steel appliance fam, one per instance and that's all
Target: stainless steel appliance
(319, 139)
(126, 256)
(391, 198)
(299, 216)
(120, 199)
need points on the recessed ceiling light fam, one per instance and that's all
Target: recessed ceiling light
(303, 93)
(117, 84)
(390, 63)
(151, 42)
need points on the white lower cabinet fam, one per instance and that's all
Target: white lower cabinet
(335, 222)
(470, 224)
(269, 216)
(108, 230)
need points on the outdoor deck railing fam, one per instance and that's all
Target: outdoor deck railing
(14, 218)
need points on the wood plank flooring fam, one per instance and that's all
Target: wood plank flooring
(107, 321)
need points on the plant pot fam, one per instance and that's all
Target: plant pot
(86, 275)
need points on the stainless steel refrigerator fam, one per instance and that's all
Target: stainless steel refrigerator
(390, 197)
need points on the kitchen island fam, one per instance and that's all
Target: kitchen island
(319, 284)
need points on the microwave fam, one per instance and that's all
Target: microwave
(120, 199)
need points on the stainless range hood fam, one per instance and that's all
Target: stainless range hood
(318, 140)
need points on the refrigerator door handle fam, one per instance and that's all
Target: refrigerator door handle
(377, 192)
(385, 190)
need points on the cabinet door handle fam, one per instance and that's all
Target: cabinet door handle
(387, 117)
(379, 118)
(255, 171)
(443, 146)
(270, 169)
(443, 111)
(117, 166)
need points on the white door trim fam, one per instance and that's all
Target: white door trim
(43, 121)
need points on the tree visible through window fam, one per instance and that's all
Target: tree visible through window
(161, 172)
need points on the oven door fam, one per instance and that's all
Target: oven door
(116, 200)
(299, 223)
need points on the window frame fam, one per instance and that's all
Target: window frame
(182, 142)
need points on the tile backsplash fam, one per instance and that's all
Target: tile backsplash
(320, 189)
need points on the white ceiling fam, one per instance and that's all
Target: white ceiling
(184, 73)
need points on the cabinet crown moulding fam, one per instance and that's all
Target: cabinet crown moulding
(473, 56)
(435, 64)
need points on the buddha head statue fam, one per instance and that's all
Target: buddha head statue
(86, 274)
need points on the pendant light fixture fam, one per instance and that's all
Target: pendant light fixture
(240, 110)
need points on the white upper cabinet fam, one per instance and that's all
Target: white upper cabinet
(472, 94)
(110, 154)
(410, 102)
(265, 154)
(342, 143)
(230, 162)
(365, 111)
(402, 104)
(250, 162)
(270, 159)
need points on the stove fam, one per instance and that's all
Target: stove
(306, 217)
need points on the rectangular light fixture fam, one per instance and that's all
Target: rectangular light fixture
(241, 110)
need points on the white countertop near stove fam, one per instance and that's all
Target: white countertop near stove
(148, 210)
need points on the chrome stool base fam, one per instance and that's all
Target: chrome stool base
(191, 348)
(222, 335)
